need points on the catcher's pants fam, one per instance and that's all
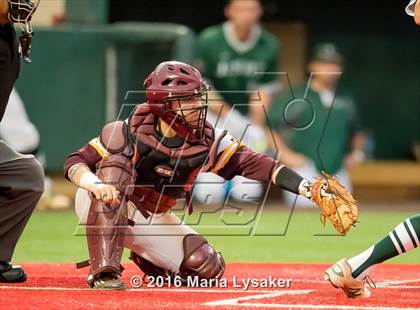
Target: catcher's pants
(21, 186)
(309, 171)
(157, 238)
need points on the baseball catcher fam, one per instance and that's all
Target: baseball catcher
(132, 174)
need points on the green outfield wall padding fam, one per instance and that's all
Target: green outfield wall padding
(87, 11)
(65, 87)
(382, 71)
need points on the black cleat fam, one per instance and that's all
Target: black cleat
(108, 281)
(11, 274)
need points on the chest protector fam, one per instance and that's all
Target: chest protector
(166, 168)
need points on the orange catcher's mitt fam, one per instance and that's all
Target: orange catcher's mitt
(335, 202)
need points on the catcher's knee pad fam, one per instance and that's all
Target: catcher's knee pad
(201, 259)
(148, 267)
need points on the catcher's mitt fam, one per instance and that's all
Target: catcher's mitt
(335, 202)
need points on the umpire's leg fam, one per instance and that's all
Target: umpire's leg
(21, 186)
(21, 177)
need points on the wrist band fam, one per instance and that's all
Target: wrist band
(288, 179)
(88, 179)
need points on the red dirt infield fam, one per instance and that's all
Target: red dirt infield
(62, 286)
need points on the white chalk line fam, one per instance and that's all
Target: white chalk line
(228, 302)
(239, 302)
(309, 306)
(391, 283)
(385, 284)
(167, 290)
(236, 301)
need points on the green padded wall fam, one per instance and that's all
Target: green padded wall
(66, 88)
(382, 72)
(87, 11)
(63, 89)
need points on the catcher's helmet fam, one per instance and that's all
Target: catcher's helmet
(170, 82)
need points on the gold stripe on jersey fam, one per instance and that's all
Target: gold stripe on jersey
(97, 145)
(226, 155)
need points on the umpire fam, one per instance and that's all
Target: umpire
(21, 176)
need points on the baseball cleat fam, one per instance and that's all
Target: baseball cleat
(340, 276)
(108, 281)
(11, 274)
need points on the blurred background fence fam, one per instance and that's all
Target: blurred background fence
(80, 75)
(88, 53)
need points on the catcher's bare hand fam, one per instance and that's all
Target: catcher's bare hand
(108, 194)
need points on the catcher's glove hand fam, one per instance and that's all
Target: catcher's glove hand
(335, 202)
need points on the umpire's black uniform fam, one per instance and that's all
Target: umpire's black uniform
(21, 176)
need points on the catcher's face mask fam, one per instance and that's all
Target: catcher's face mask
(191, 113)
(21, 12)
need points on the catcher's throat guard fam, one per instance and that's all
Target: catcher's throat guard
(21, 12)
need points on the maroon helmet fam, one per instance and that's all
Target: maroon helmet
(166, 86)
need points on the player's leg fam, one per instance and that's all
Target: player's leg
(349, 274)
(163, 245)
(22, 184)
(401, 239)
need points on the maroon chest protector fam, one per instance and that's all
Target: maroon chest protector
(166, 167)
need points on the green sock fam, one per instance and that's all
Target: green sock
(403, 238)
